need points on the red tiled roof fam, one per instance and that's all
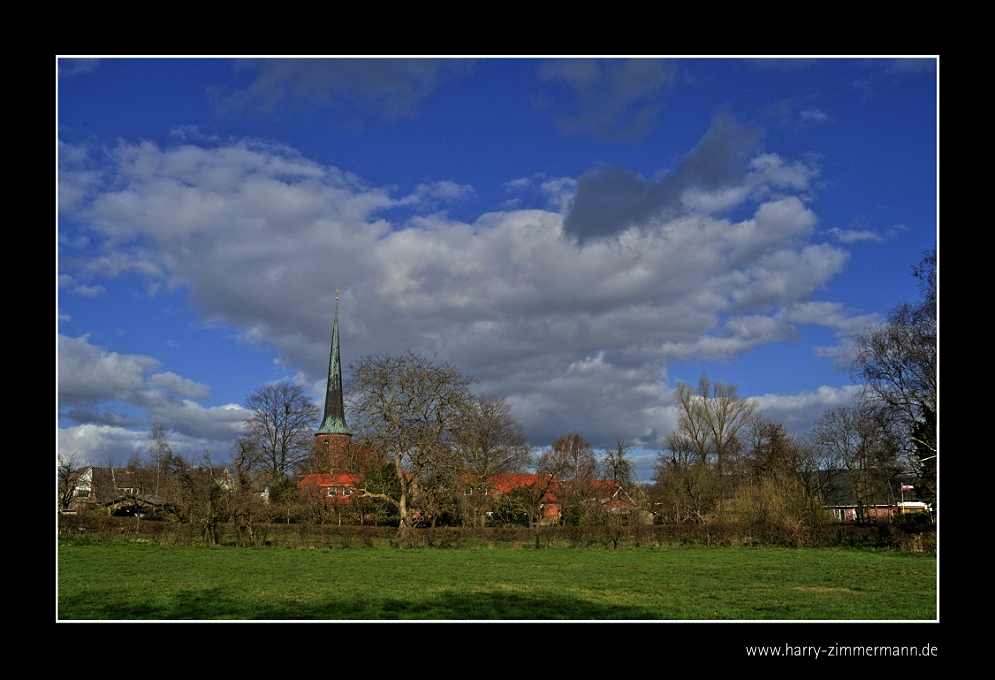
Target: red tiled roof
(326, 480)
(509, 481)
(334, 488)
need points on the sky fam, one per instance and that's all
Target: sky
(578, 235)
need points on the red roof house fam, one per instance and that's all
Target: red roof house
(612, 497)
(335, 489)
(544, 486)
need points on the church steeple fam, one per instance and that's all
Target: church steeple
(333, 422)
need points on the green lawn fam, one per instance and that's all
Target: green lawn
(146, 581)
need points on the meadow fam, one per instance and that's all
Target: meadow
(148, 581)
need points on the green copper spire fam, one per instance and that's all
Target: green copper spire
(334, 420)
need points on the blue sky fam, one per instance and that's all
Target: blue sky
(579, 235)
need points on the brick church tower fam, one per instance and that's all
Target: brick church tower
(333, 437)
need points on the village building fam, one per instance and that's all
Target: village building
(333, 438)
(337, 457)
(337, 472)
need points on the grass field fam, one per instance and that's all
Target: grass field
(144, 581)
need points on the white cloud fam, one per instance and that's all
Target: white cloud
(853, 235)
(88, 374)
(445, 190)
(89, 291)
(832, 315)
(120, 390)
(557, 191)
(77, 288)
(181, 387)
(428, 195)
(94, 444)
(261, 238)
(104, 444)
(845, 325)
(814, 116)
(801, 411)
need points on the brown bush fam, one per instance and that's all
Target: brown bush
(911, 537)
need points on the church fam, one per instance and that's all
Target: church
(333, 437)
(338, 460)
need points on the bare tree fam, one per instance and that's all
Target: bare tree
(710, 417)
(201, 494)
(861, 443)
(160, 453)
(573, 461)
(686, 484)
(576, 457)
(538, 497)
(280, 431)
(779, 486)
(616, 466)
(69, 478)
(491, 441)
(410, 409)
(246, 502)
(898, 364)
(378, 500)
(772, 453)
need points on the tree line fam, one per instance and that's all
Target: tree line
(426, 450)
(725, 460)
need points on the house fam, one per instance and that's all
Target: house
(130, 490)
(91, 485)
(73, 488)
(549, 496)
(543, 495)
(841, 494)
(335, 489)
(612, 497)
(536, 493)
(855, 511)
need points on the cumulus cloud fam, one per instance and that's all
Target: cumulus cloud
(576, 332)
(89, 291)
(801, 411)
(845, 325)
(79, 177)
(109, 444)
(591, 394)
(557, 192)
(121, 391)
(429, 195)
(180, 386)
(101, 444)
(88, 374)
(832, 315)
